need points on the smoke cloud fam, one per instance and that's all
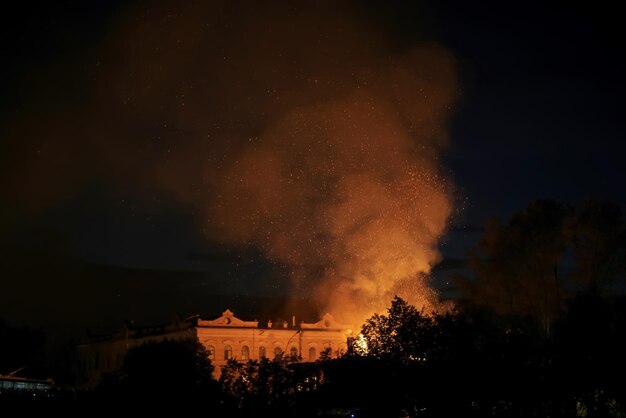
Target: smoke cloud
(303, 130)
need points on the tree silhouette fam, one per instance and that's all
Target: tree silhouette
(515, 264)
(174, 369)
(599, 239)
(399, 335)
(258, 384)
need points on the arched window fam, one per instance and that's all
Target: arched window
(228, 352)
(277, 352)
(210, 350)
(262, 353)
(293, 352)
(312, 354)
(245, 353)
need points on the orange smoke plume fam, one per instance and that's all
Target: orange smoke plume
(302, 128)
(348, 192)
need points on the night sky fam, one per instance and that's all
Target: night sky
(122, 125)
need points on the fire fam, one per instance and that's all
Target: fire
(316, 142)
(369, 221)
(344, 186)
(361, 344)
(306, 132)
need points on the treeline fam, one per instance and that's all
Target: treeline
(537, 332)
(470, 363)
(544, 256)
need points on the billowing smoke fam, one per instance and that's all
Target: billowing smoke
(345, 195)
(304, 130)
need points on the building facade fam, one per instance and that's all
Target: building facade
(226, 337)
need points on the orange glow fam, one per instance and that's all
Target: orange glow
(306, 132)
(343, 189)
(313, 141)
(361, 344)
(343, 185)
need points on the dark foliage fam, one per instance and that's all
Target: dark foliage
(477, 363)
(530, 266)
(163, 370)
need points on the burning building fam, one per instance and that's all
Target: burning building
(226, 337)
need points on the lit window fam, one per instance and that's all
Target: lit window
(245, 353)
(228, 352)
(210, 350)
(293, 352)
(312, 354)
(262, 352)
(277, 352)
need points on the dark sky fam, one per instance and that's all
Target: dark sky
(99, 100)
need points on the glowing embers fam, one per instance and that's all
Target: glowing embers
(361, 344)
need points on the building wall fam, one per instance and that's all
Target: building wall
(222, 337)
(306, 344)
